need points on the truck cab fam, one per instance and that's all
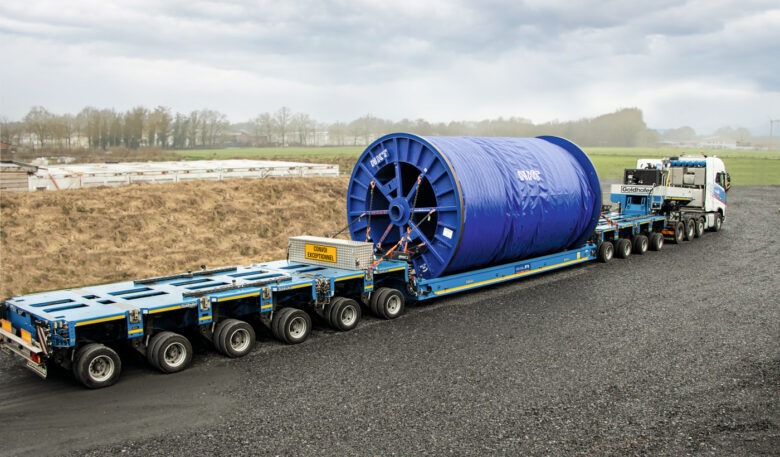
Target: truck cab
(690, 189)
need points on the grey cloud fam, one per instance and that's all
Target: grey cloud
(553, 50)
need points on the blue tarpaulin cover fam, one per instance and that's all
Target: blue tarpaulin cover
(468, 202)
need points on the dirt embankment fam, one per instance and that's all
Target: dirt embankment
(52, 240)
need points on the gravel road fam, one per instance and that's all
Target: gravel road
(671, 353)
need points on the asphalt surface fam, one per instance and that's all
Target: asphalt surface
(671, 353)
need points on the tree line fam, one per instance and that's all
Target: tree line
(139, 127)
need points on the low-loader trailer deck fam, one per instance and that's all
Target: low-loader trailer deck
(82, 329)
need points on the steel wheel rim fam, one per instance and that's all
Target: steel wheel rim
(348, 315)
(101, 368)
(175, 355)
(239, 340)
(297, 327)
(644, 244)
(393, 305)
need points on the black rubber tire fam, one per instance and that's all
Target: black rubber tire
(344, 314)
(329, 308)
(640, 244)
(173, 352)
(699, 228)
(623, 248)
(679, 232)
(372, 306)
(718, 223)
(690, 229)
(97, 366)
(389, 304)
(605, 251)
(152, 349)
(656, 241)
(277, 317)
(237, 339)
(293, 326)
(216, 338)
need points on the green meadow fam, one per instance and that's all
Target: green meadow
(747, 168)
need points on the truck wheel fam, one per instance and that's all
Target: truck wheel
(169, 352)
(699, 231)
(690, 229)
(640, 244)
(656, 241)
(388, 303)
(97, 366)
(344, 314)
(718, 223)
(292, 326)
(623, 248)
(237, 338)
(605, 252)
(679, 232)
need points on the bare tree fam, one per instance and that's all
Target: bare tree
(303, 126)
(337, 133)
(38, 122)
(282, 119)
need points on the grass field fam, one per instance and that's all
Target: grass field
(747, 168)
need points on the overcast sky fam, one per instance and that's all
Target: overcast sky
(705, 64)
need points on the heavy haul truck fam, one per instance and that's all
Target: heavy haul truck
(428, 217)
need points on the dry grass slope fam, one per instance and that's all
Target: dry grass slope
(53, 240)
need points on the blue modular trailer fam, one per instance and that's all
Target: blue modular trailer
(82, 329)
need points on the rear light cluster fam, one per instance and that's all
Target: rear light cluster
(24, 335)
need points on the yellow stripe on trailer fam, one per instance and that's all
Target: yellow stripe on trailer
(134, 331)
(162, 310)
(350, 277)
(97, 321)
(391, 270)
(299, 286)
(204, 318)
(236, 297)
(508, 277)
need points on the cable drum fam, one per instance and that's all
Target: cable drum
(469, 202)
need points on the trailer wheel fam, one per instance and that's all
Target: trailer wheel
(605, 252)
(640, 244)
(623, 248)
(236, 339)
(699, 231)
(169, 352)
(292, 326)
(656, 241)
(388, 303)
(344, 314)
(216, 337)
(679, 233)
(329, 308)
(690, 229)
(97, 366)
(718, 223)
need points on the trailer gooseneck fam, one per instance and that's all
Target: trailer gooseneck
(82, 329)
